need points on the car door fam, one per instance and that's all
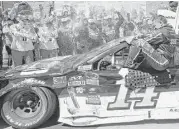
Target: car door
(110, 76)
(101, 82)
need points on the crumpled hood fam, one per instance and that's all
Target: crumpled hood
(60, 64)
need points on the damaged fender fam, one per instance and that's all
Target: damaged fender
(23, 83)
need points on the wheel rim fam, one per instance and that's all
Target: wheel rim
(26, 104)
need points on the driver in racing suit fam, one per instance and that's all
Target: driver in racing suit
(157, 50)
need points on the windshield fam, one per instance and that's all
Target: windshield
(96, 51)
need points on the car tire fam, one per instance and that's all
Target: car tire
(28, 108)
(52, 102)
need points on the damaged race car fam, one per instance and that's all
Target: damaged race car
(88, 89)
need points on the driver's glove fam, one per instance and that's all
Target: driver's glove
(139, 43)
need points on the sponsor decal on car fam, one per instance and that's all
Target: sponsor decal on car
(29, 81)
(92, 90)
(92, 78)
(92, 81)
(173, 41)
(80, 90)
(90, 75)
(59, 80)
(76, 81)
(174, 110)
(84, 68)
(93, 100)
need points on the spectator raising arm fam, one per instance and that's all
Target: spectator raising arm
(118, 24)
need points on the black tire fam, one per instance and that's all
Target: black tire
(52, 102)
(15, 110)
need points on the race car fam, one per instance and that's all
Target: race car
(88, 89)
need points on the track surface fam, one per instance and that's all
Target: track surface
(164, 124)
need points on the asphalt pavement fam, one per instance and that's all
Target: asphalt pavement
(163, 124)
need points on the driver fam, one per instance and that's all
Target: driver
(157, 51)
(106, 63)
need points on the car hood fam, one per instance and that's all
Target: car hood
(60, 65)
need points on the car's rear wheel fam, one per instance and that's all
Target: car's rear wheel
(28, 108)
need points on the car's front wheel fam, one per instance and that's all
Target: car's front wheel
(28, 108)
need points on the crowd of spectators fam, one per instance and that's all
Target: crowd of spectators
(25, 39)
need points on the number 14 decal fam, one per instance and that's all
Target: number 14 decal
(142, 99)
